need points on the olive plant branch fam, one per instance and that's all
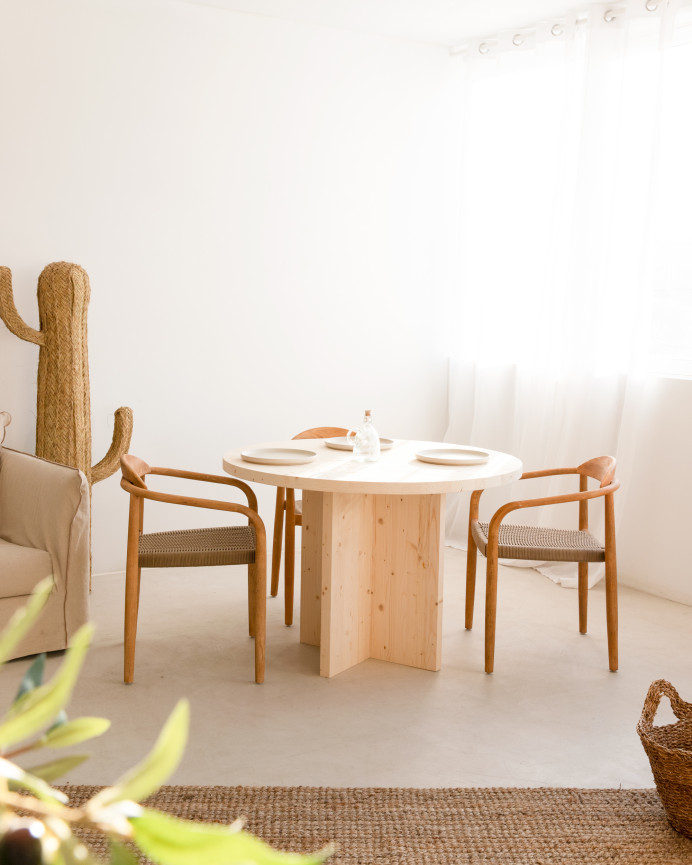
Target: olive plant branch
(117, 826)
(8, 755)
(19, 801)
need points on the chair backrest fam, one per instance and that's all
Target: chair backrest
(134, 470)
(601, 469)
(322, 432)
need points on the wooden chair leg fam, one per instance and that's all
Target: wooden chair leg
(251, 597)
(471, 561)
(289, 556)
(612, 613)
(278, 534)
(260, 608)
(132, 585)
(490, 610)
(611, 581)
(583, 595)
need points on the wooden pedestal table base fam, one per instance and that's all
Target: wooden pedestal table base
(372, 547)
(371, 584)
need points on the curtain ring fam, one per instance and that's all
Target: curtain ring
(556, 30)
(609, 16)
(517, 39)
(483, 48)
(651, 5)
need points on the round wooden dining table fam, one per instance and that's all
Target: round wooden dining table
(372, 545)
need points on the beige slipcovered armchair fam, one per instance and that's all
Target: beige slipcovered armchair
(44, 531)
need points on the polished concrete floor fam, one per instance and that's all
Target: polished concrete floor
(551, 715)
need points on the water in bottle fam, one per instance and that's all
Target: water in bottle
(366, 441)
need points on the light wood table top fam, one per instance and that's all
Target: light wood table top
(397, 472)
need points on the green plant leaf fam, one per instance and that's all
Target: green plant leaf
(74, 732)
(32, 679)
(121, 855)
(40, 706)
(57, 768)
(73, 852)
(60, 719)
(170, 841)
(24, 618)
(146, 777)
(70, 849)
(33, 676)
(19, 778)
(113, 819)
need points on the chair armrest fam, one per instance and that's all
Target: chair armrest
(473, 504)
(546, 473)
(214, 479)
(543, 473)
(39, 500)
(210, 504)
(45, 505)
(582, 496)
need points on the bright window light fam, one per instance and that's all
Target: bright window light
(577, 199)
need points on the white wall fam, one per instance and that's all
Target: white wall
(655, 515)
(265, 211)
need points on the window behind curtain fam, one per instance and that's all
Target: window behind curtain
(671, 322)
(577, 196)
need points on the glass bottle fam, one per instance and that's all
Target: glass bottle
(366, 441)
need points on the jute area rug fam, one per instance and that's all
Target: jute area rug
(380, 826)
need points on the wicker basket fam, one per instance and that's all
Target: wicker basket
(669, 749)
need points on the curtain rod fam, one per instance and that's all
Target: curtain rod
(611, 13)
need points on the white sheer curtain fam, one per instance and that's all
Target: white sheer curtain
(575, 268)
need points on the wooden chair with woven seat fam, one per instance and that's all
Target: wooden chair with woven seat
(226, 545)
(286, 501)
(498, 541)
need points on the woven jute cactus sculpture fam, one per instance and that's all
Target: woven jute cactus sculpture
(63, 413)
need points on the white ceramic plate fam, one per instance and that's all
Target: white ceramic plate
(278, 456)
(454, 456)
(341, 443)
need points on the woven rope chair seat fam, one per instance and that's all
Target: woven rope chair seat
(226, 545)
(541, 544)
